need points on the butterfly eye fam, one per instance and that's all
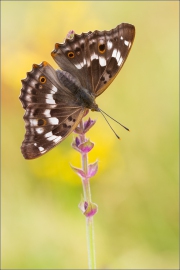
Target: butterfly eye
(42, 79)
(101, 48)
(70, 54)
(41, 122)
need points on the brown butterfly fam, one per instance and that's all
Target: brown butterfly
(56, 100)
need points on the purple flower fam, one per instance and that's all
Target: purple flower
(88, 124)
(75, 144)
(91, 170)
(88, 209)
(70, 34)
(86, 146)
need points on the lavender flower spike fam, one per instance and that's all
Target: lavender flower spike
(88, 208)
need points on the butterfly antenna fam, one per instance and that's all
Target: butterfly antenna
(108, 123)
(102, 112)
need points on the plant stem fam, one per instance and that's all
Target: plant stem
(87, 198)
(90, 243)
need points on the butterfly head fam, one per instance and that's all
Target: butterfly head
(95, 107)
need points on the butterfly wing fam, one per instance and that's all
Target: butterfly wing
(71, 57)
(100, 59)
(51, 111)
(107, 51)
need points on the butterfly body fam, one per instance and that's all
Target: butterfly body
(56, 100)
(83, 96)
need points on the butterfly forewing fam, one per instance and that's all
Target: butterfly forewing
(99, 60)
(43, 86)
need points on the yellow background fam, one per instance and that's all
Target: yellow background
(136, 187)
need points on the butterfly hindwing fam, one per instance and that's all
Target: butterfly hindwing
(47, 126)
(71, 57)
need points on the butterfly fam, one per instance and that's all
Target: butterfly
(56, 100)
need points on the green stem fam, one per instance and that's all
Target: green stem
(90, 243)
(89, 220)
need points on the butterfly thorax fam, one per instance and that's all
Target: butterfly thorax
(86, 99)
(82, 96)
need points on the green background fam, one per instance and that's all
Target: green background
(136, 187)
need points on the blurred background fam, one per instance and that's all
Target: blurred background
(136, 187)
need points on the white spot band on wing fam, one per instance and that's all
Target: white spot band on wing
(41, 149)
(118, 56)
(54, 88)
(79, 65)
(102, 61)
(53, 121)
(114, 53)
(94, 56)
(47, 113)
(109, 44)
(126, 43)
(51, 137)
(40, 130)
(120, 61)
